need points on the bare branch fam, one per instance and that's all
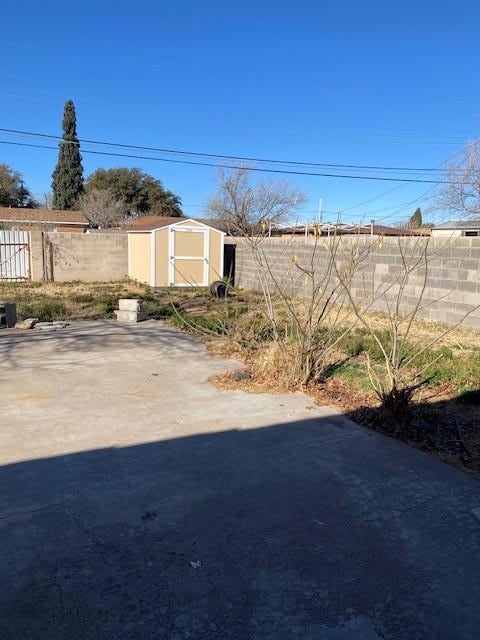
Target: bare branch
(249, 208)
(462, 196)
(102, 208)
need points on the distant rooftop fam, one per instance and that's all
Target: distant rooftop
(42, 216)
(459, 224)
(350, 229)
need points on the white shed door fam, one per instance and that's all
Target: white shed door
(188, 257)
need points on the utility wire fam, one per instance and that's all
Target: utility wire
(232, 166)
(401, 186)
(218, 156)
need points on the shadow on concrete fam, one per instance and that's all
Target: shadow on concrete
(299, 530)
(445, 427)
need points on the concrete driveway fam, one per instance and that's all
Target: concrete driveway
(138, 501)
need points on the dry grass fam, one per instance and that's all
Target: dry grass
(424, 330)
(90, 301)
(240, 328)
(67, 301)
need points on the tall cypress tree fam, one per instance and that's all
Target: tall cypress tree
(416, 219)
(67, 184)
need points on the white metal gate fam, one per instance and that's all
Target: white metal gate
(14, 256)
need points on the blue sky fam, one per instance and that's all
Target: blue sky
(375, 82)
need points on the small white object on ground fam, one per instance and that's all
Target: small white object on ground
(45, 326)
(195, 564)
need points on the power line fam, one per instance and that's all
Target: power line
(230, 166)
(398, 208)
(403, 207)
(401, 186)
(219, 156)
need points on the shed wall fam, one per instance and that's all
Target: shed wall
(140, 260)
(215, 263)
(162, 257)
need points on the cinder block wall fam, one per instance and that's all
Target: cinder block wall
(70, 256)
(453, 282)
(36, 255)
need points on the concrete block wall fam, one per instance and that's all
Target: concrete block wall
(453, 273)
(37, 258)
(63, 257)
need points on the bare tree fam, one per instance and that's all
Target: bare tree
(304, 303)
(405, 363)
(245, 206)
(102, 208)
(318, 318)
(462, 195)
(46, 200)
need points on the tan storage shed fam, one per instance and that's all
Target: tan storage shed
(179, 252)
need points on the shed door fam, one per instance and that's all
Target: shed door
(188, 257)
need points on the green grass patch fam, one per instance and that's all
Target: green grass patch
(440, 365)
(360, 341)
(352, 373)
(45, 309)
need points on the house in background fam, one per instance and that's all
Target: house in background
(342, 229)
(43, 219)
(457, 228)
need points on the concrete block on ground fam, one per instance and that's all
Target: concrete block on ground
(45, 326)
(130, 317)
(130, 304)
(28, 323)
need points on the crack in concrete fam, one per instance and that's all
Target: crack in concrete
(57, 586)
(64, 505)
(89, 534)
(46, 507)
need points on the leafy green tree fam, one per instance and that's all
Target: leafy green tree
(67, 184)
(13, 192)
(416, 219)
(142, 193)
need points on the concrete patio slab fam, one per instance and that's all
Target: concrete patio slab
(139, 501)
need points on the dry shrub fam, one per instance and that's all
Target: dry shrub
(398, 380)
(273, 366)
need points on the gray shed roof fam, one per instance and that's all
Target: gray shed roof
(459, 224)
